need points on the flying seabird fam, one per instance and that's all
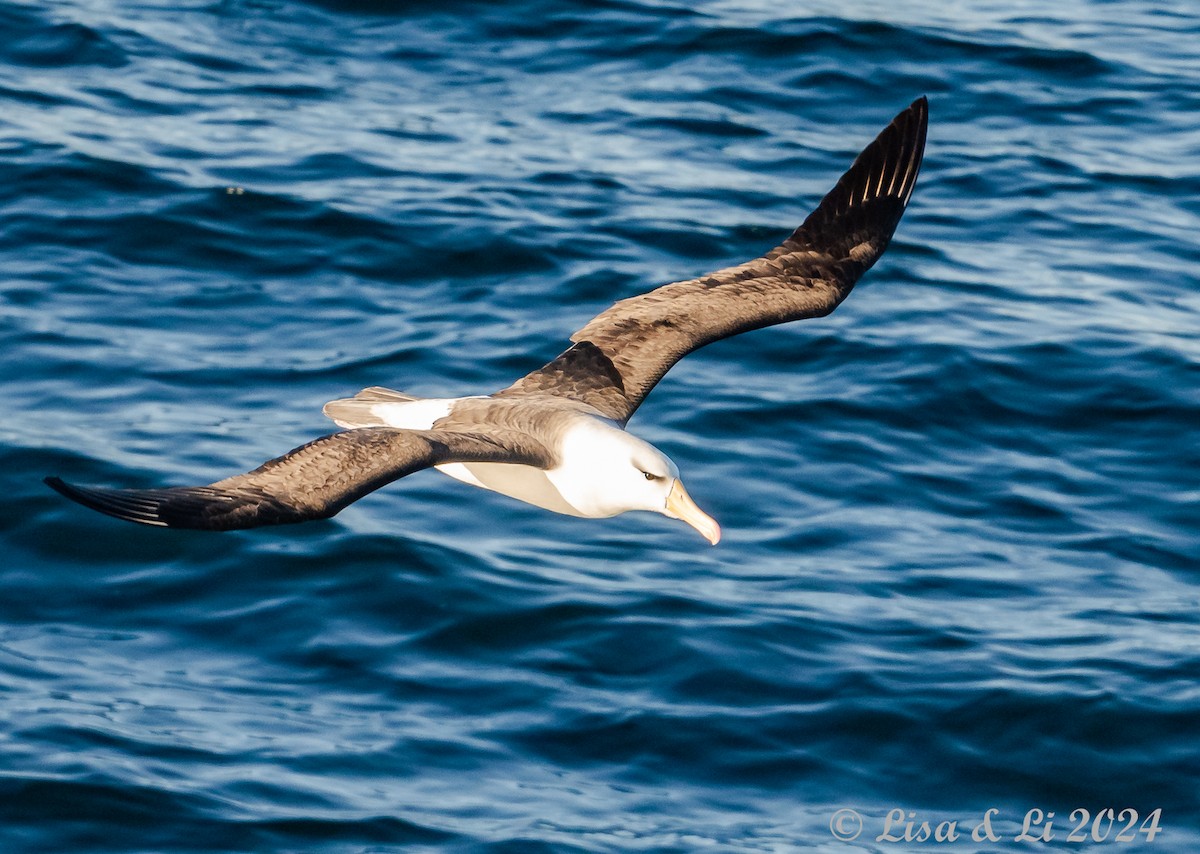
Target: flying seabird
(556, 438)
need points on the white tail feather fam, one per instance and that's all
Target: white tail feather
(383, 407)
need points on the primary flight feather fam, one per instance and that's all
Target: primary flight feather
(556, 437)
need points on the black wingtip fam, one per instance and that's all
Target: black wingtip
(59, 485)
(879, 183)
(129, 505)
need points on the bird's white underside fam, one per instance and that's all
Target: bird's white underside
(524, 483)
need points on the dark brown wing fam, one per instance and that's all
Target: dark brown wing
(623, 352)
(313, 481)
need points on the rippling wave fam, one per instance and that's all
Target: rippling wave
(962, 515)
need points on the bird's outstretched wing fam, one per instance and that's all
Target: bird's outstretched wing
(313, 481)
(620, 355)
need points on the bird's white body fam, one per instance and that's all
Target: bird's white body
(591, 480)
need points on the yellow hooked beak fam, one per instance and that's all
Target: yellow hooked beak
(681, 506)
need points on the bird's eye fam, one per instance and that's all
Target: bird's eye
(651, 476)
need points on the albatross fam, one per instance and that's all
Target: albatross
(556, 438)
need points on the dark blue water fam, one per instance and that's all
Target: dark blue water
(961, 566)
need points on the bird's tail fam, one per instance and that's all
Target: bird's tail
(359, 411)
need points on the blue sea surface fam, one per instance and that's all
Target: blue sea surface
(961, 567)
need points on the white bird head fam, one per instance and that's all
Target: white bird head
(606, 471)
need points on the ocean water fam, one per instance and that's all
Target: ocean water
(961, 568)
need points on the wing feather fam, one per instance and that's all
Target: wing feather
(622, 353)
(313, 481)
